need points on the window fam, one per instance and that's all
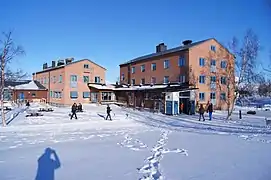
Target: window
(213, 62)
(86, 94)
(213, 48)
(201, 96)
(73, 94)
(73, 81)
(86, 66)
(201, 61)
(133, 81)
(142, 68)
(212, 95)
(223, 96)
(142, 81)
(223, 64)
(133, 70)
(107, 96)
(202, 79)
(166, 64)
(213, 79)
(33, 94)
(55, 94)
(54, 79)
(166, 79)
(182, 78)
(153, 80)
(60, 79)
(122, 77)
(51, 93)
(73, 78)
(181, 61)
(223, 80)
(153, 66)
(97, 79)
(86, 79)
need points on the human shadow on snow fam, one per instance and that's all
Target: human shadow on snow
(48, 162)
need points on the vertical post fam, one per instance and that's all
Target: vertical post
(240, 114)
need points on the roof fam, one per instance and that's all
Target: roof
(62, 66)
(32, 85)
(173, 50)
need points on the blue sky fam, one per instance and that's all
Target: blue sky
(112, 32)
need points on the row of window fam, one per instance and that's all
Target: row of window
(73, 78)
(181, 62)
(73, 94)
(153, 80)
(202, 79)
(212, 96)
(202, 63)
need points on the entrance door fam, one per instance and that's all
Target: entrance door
(169, 107)
(176, 107)
(21, 96)
(94, 97)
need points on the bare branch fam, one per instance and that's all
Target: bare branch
(8, 51)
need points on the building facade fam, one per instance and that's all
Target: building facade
(32, 92)
(206, 65)
(67, 80)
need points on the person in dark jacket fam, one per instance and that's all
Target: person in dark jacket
(74, 109)
(201, 112)
(80, 108)
(210, 111)
(108, 110)
(27, 104)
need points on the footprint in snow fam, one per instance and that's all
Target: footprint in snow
(133, 144)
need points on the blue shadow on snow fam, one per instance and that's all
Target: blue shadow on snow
(47, 165)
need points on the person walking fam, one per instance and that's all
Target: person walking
(201, 112)
(108, 110)
(181, 108)
(210, 111)
(74, 109)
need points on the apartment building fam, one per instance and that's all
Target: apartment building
(206, 65)
(67, 80)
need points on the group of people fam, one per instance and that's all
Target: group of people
(76, 108)
(209, 110)
(79, 108)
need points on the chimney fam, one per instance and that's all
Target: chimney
(161, 47)
(68, 60)
(53, 63)
(60, 62)
(187, 42)
(45, 66)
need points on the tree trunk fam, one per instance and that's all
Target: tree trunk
(2, 93)
(230, 109)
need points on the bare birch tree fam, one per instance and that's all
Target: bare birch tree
(246, 65)
(223, 67)
(8, 51)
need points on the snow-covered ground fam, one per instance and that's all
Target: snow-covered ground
(135, 145)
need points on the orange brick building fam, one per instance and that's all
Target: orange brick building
(67, 80)
(207, 65)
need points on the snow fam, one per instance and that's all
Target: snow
(29, 86)
(132, 88)
(135, 145)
